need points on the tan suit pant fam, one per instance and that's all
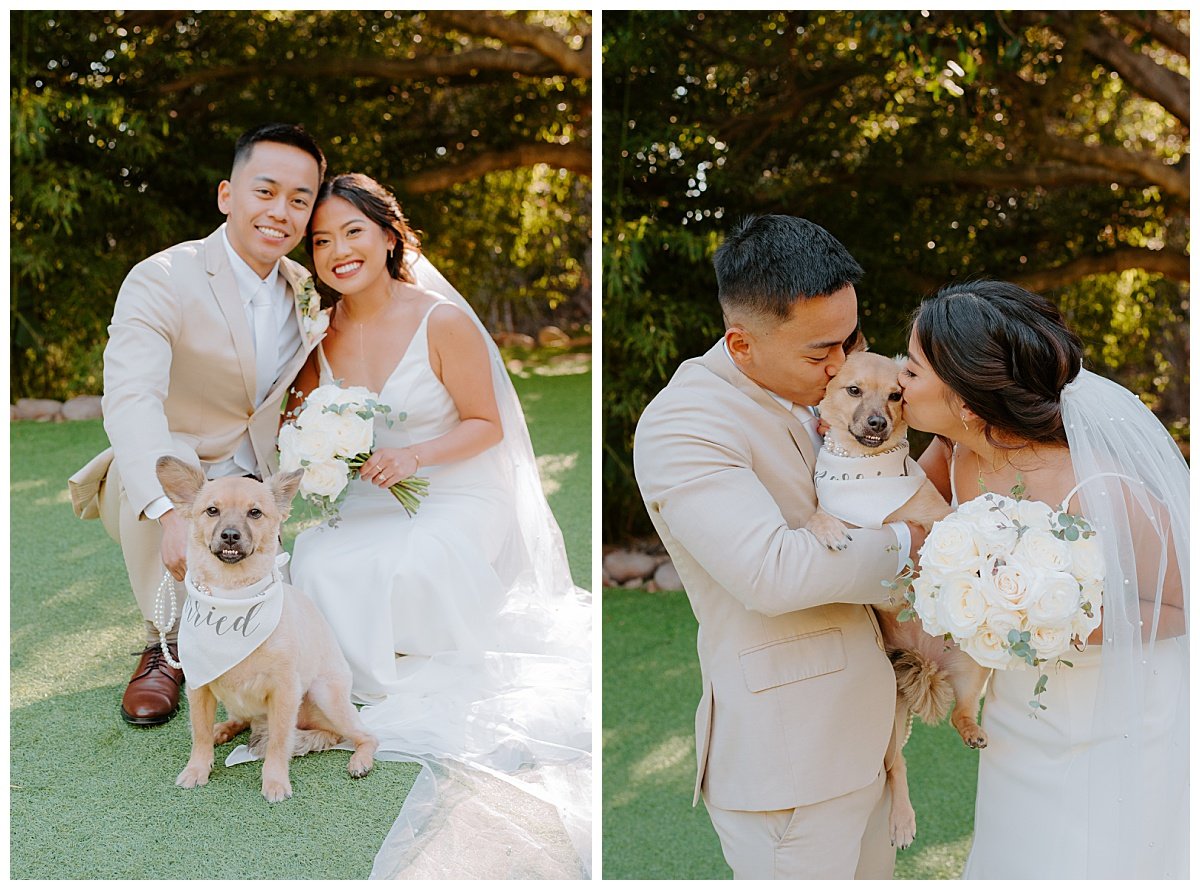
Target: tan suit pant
(141, 541)
(838, 839)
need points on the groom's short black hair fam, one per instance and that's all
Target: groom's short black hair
(768, 263)
(287, 134)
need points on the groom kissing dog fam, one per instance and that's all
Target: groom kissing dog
(795, 722)
(866, 478)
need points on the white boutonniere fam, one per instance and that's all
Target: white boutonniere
(314, 319)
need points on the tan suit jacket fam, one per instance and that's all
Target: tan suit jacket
(798, 697)
(179, 372)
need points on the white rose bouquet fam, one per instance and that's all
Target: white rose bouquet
(1013, 582)
(331, 437)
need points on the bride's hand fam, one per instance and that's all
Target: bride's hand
(387, 466)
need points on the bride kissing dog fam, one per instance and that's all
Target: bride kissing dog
(865, 477)
(252, 641)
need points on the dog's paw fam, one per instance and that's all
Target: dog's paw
(194, 775)
(903, 829)
(361, 763)
(829, 531)
(275, 790)
(973, 736)
(976, 740)
(223, 732)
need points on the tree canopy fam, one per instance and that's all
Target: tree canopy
(1045, 148)
(124, 123)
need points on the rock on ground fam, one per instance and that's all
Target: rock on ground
(38, 409)
(82, 408)
(625, 565)
(667, 578)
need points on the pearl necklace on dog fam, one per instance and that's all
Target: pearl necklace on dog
(864, 489)
(838, 451)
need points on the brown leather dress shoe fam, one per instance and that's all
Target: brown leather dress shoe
(152, 696)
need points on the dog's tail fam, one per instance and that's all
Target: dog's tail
(923, 685)
(304, 741)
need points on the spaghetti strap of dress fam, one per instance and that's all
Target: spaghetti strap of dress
(325, 372)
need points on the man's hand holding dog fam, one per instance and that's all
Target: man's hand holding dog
(174, 543)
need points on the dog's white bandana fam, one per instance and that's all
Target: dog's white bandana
(864, 491)
(219, 628)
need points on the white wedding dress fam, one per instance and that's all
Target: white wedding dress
(422, 586)
(467, 639)
(1047, 805)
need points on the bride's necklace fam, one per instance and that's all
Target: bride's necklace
(362, 349)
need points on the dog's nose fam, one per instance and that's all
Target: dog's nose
(877, 423)
(230, 536)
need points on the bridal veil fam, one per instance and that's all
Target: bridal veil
(1134, 489)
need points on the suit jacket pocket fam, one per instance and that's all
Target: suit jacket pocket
(793, 659)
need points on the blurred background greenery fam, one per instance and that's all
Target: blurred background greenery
(1045, 148)
(123, 123)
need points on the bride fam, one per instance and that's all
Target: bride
(1096, 785)
(464, 633)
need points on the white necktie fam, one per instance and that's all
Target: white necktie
(809, 418)
(265, 350)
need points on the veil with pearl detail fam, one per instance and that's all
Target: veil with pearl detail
(1134, 490)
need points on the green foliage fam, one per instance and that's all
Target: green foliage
(122, 124)
(937, 146)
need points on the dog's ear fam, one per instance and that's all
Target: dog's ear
(181, 481)
(283, 486)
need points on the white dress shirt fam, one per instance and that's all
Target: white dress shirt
(808, 416)
(287, 342)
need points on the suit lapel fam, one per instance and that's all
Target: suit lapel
(229, 299)
(720, 364)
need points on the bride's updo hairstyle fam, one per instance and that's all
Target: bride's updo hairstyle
(1006, 352)
(378, 205)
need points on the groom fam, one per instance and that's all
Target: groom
(796, 713)
(205, 339)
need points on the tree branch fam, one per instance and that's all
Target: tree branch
(545, 41)
(466, 63)
(1172, 264)
(1142, 73)
(576, 158)
(1155, 26)
(1033, 176)
(787, 106)
(1141, 164)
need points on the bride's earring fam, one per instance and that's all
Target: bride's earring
(963, 418)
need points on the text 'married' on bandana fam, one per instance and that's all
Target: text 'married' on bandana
(217, 632)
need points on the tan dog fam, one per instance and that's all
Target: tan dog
(293, 689)
(867, 435)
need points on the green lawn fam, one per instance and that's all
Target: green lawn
(92, 797)
(651, 686)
